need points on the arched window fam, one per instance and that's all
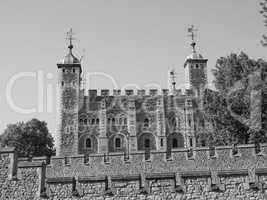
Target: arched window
(88, 143)
(197, 66)
(120, 121)
(97, 120)
(147, 143)
(189, 120)
(109, 120)
(191, 142)
(174, 143)
(117, 143)
(146, 122)
(73, 70)
(113, 120)
(85, 121)
(93, 121)
(69, 129)
(125, 120)
(81, 121)
(203, 143)
(174, 122)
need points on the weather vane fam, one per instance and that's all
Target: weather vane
(192, 34)
(70, 37)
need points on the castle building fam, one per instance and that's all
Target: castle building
(161, 120)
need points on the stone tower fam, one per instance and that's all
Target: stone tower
(69, 80)
(195, 68)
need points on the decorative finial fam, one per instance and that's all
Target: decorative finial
(172, 74)
(192, 34)
(70, 38)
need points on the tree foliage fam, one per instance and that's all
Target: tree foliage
(30, 139)
(238, 109)
(263, 11)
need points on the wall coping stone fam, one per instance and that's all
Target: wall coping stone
(77, 156)
(91, 178)
(39, 158)
(197, 173)
(7, 150)
(233, 172)
(21, 159)
(261, 171)
(180, 150)
(55, 180)
(25, 164)
(160, 176)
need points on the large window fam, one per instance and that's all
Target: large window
(191, 142)
(146, 122)
(174, 143)
(147, 143)
(69, 129)
(88, 143)
(93, 121)
(81, 121)
(118, 143)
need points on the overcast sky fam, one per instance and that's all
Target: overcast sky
(133, 41)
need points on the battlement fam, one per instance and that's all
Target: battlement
(178, 160)
(140, 92)
(147, 173)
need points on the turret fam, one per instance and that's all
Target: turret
(69, 80)
(195, 68)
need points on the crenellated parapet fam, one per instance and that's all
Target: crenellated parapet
(217, 170)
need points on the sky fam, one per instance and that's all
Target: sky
(129, 42)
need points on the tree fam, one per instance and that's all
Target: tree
(30, 139)
(263, 11)
(238, 109)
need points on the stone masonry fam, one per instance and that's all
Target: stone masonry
(226, 173)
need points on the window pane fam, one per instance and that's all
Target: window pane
(147, 143)
(174, 143)
(117, 142)
(88, 143)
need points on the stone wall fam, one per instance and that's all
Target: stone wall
(203, 173)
